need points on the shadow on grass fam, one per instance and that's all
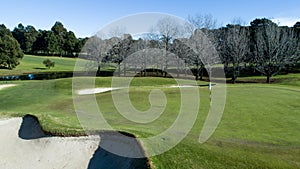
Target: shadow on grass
(5, 68)
(40, 68)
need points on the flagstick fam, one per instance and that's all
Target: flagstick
(209, 88)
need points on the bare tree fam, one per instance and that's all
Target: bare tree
(120, 51)
(147, 54)
(234, 46)
(203, 21)
(206, 23)
(117, 31)
(139, 57)
(96, 49)
(275, 47)
(238, 21)
(204, 50)
(168, 29)
(184, 55)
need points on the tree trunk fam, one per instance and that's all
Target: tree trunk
(287, 71)
(124, 69)
(178, 67)
(268, 79)
(177, 71)
(98, 70)
(165, 71)
(145, 69)
(233, 78)
(201, 71)
(119, 69)
(197, 71)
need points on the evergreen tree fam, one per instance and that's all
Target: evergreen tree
(10, 51)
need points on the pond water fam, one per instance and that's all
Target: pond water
(51, 75)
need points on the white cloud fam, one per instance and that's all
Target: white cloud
(286, 21)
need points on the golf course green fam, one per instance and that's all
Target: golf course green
(259, 128)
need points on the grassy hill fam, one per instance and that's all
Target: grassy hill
(259, 128)
(34, 64)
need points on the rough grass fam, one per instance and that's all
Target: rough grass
(259, 128)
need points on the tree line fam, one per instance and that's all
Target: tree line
(55, 42)
(263, 47)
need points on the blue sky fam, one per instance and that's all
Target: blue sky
(86, 17)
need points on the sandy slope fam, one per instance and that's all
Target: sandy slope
(47, 152)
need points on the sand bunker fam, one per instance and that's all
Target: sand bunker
(183, 86)
(47, 152)
(2, 86)
(95, 90)
(25, 145)
(106, 89)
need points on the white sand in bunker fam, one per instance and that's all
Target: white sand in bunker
(24, 145)
(183, 86)
(107, 89)
(3, 86)
(45, 152)
(96, 90)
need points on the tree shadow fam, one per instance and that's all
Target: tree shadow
(31, 128)
(40, 68)
(123, 142)
(3, 67)
(103, 159)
